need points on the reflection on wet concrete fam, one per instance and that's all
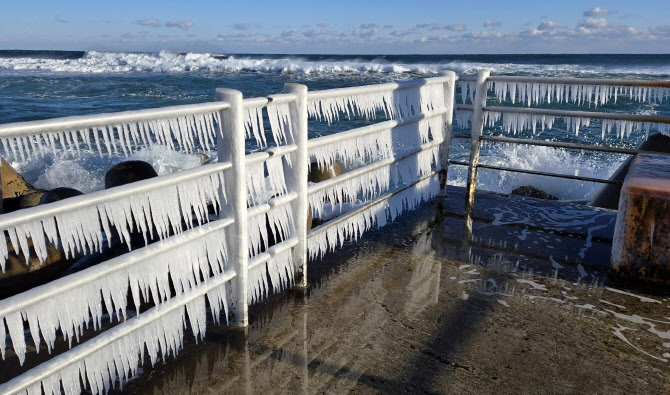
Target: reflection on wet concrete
(412, 308)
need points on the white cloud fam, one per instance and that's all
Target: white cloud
(402, 33)
(550, 25)
(241, 26)
(314, 33)
(365, 33)
(490, 25)
(593, 23)
(183, 25)
(148, 22)
(432, 26)
(289, 33)
(597, 11)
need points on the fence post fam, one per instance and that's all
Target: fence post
(481, 90)
(297, 181)
(448, 119)
(230, 147)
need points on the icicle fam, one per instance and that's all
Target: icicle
(127, 137)
(394, 104)
(256, 191)
(463, 118)
(280, 269)
(379, 145)
(275, 168)
(378, 214)
(69, 310)
(280, 121)
(598, 95)
(165, 208)
(517, 123)
(253, 125)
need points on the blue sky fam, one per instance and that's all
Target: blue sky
(351, 27)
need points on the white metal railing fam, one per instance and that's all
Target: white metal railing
(542, 90)
(226, 258)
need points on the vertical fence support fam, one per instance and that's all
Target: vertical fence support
(297, 181)
(230, 147)
(475, 142)
(448, 119)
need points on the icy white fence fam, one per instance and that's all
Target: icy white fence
(534, 91)
(229, 233)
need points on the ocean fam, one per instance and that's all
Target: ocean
(46, 84)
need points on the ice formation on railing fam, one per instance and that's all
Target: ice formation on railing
(373, 183)
(126, 137)
(121, 359)
(276, 178)
(376, 214)
(147, 280)
(463, 118)
(253, 125)
(280, 269)
(467, 90)
(394, 104)
(79, 231)
(378, 145)
(256, 190)
(517, 123)
(279, 116)
(280, 221)
(538, 93)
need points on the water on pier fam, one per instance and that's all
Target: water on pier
(525, 306)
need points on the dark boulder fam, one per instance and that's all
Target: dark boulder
(31, 199)
(533, 192)
(127, 172)
(57, 194)
(317, 174)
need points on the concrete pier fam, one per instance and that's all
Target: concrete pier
(641, 246)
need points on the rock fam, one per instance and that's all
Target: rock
(316, 174)
(11, 204)
(31, 199)
(127, 172)
(533, 192)
(13, 184)
(57, 194)
(203, 157)
(19, 276)
(608, 195)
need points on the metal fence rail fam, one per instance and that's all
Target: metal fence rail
(226, 258)
(482, 84)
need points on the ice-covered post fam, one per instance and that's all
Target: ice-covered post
(475, 143)
(230, 147)
(296, 180)
(448, 118)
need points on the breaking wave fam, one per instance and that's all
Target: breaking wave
(167, 62)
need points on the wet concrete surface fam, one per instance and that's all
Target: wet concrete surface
(413, 309)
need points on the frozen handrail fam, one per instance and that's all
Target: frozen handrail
(91, 354)
(115, 132)
(282, 205)
(581, 81)
(78, 122)
(396, 99)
